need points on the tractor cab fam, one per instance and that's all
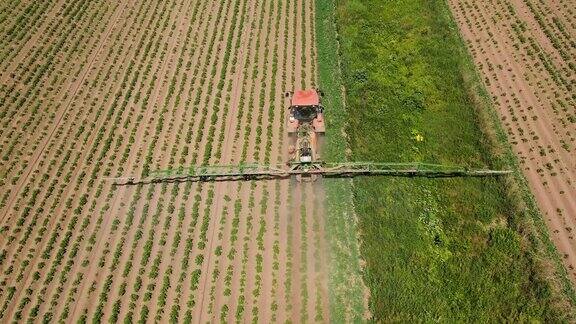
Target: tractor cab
(305, 107)
(304, 113)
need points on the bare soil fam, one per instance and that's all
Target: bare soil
(134, 86)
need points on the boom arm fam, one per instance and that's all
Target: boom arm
(328, 170)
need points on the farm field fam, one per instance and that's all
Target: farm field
(449, 249)
(526, 52)
(93, 90)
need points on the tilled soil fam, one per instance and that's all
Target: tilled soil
(100, 90)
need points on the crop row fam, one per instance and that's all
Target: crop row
(100, 155)
(28, 209)
(152, 89)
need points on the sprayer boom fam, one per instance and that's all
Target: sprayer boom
(306, 171)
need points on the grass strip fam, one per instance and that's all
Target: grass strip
(346, 290)
(448, 249)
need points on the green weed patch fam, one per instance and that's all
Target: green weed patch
(435, 249)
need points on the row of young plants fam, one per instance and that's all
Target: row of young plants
(556, 115)
(115, 222)
(199, 258)
(150, 288)
(117, 120)
(100, 200)
(18, 18)
(40, 210)
(199, 210)
(556, 32)
(561, 71)
(225, 143)
(162, 298)
(303, 244)
(306, 82)
(103, 154)
(521, 35)
(232, 257)
(228, 52)
(273, 107)
(144, 105)
(297, 204)
(225, 307)
(148, 246)
(16, 36)
(254, 48)
(280, 155)
(290, 84)
(263, 257)
(188, 246)
(176, 309)
(29, 16)
(528, 123)
(31, 83)
(564, 13)
(37, 83)
(215, 272)
(51, 163)
(253, 247)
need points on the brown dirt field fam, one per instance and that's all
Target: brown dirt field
(102, 90)
(523, 51)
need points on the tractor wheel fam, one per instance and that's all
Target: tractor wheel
(291, 147)
(320, 140)
(292, 138)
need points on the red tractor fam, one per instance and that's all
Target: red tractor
(305, 108)
(305, 125)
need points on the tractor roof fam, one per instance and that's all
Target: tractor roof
(305, 98)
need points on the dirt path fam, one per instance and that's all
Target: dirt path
(532, 94)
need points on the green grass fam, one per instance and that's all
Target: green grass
(443, 249)
(346, 290)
